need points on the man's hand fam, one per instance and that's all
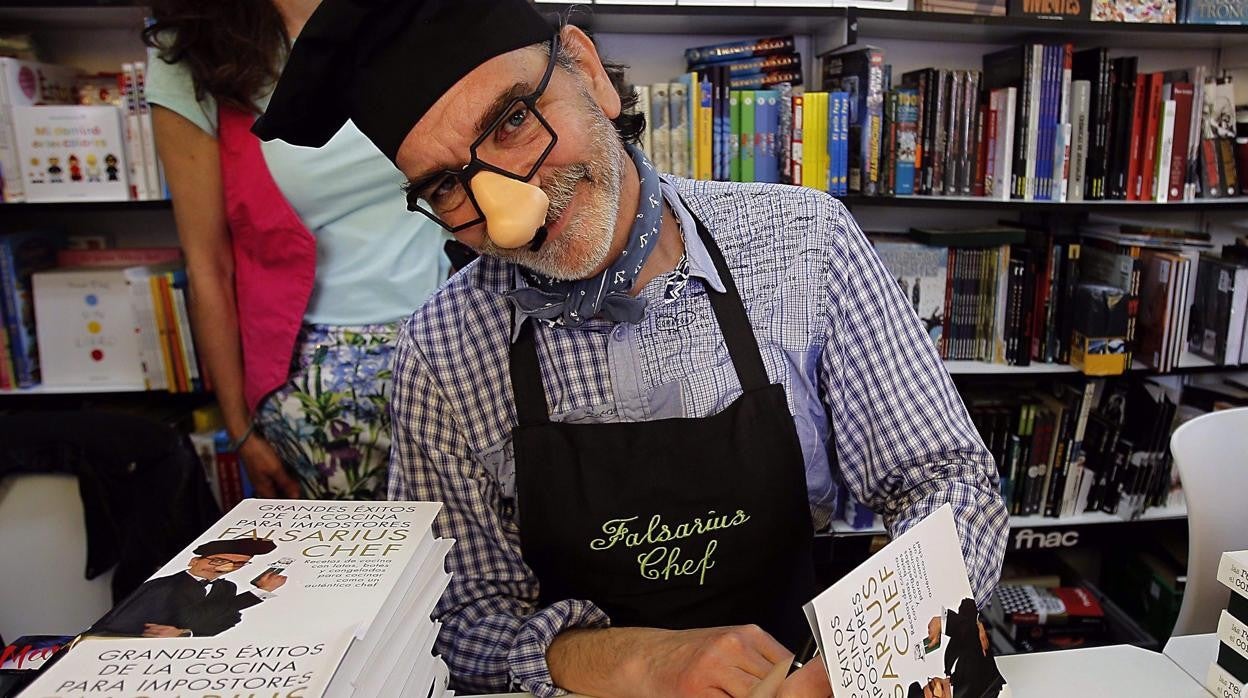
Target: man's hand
(157, 630)
(268, 475)
(647, 662)
(269, 581)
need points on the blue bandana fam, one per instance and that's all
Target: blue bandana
(606, 295)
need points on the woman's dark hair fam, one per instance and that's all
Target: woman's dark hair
(232, 47)
(630, 123)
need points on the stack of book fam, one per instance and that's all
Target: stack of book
(1112, 294)
(117, 318)
(311, 598)
(721, 119)
(1040, 122)
(70, 137)
(1034, 618)
(1228, 675)
(1101, 446)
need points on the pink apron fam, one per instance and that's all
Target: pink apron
(274, 258)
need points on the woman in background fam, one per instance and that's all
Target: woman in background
(302, 261)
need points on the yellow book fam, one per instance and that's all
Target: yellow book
(810, 160)
(162, 331)
(706, 129)
(820, 115)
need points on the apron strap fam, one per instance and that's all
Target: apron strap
(526, 379)
(526, 373)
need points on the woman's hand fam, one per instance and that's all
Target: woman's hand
(269, 476)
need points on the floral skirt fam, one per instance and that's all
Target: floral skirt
(330, 422)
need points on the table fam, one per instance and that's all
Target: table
(1093, 672)
(1193, 653)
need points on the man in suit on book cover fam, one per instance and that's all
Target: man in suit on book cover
(197, 602)
(647, 393)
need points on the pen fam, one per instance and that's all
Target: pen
(807, 653)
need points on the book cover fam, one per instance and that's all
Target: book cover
(1165, 152)
(289, 586)
(1051, 9)
(1215, 12)
(86, 329)
(1221, 683)
(1092, 66)
(81, 150)
(1138, 11)
(921, 272)
(24, 84)
(905, 622)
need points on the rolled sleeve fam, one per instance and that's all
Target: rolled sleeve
(905, 442)
(493, 638)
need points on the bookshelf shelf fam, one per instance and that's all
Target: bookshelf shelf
(1231, 204)
(841, 529)
(73, 390)
(73, 14)
(86, 206)
(966, 368)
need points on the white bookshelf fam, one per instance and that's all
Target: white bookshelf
(840, 528)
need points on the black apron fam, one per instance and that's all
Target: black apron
(673, 523)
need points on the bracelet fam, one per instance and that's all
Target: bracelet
(238, 443)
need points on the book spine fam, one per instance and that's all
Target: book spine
(151, 164)
(748, 137)
(1152, 134)
(1104, 122)
(678, 128)
(875, 122)
(953, 130)
(660, 127)
(1165, 152)
(940, 133)
(733, 136)
(1044, 143)
(134, 135)
(1226, 151)
(907, 139)
(972, 135)
(25, 375)
(739, 50)
(1079, 134)
(1139, 123)
(991, 144)
(795, 157)
(1176, 177)
(706, 129)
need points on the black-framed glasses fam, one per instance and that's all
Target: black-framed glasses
(222, 562)
(515, 145)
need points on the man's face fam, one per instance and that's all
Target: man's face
(213, 566)
(582, 175)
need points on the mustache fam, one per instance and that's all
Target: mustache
(560, 188)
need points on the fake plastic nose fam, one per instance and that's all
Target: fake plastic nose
(514, 211)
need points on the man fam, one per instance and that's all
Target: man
(627, 404)
(196, 602)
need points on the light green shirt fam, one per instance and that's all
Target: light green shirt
(375, 261)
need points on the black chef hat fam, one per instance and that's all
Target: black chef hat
(239, 546)
(383, 63)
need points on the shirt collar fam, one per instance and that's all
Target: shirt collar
(700, 264)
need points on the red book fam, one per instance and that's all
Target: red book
(1182, 93)
(1149, 154)
(118, 257)
(795, 141)
(1134, 160)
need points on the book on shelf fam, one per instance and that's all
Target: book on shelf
(72, 153)
(1219, 307)
(23, 84)
(860, 72)
(1051, 9)
(22, 255)
(1135, 11)
(1230, 12)
(1039, 617)
(302, 597)
(932, 642)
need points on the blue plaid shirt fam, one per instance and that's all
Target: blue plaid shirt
(832, 327)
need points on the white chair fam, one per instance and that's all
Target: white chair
(43, 548)
(1211, 453)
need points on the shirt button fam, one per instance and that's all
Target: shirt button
(620, 333)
